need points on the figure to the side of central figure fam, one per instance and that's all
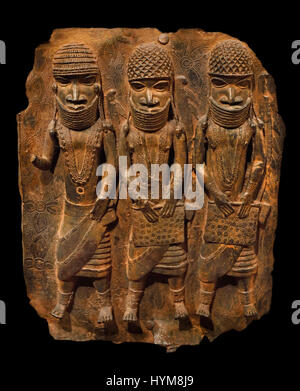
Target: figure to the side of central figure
(152, 135)
(79, 131)
(230, 142)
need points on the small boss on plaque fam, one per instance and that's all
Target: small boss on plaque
(146, 267)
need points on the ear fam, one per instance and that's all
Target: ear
(54, 88)
(252, 83)
(97, 88)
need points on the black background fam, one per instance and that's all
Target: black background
(236, 358)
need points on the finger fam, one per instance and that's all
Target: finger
(163, 211)
(154, 219)
(151, 216)
(168, 211)
(153, 212)
(228, 210)
(151, 219)
(148, 217)
(226, 207)
(223, 211)
(230, 207)
(241, 212)
(244, 210)
(172, 210)
(247, 210)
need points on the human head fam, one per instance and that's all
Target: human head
(231, 81)
(77, 85)
(151, 78)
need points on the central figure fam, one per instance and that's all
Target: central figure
(152, 135)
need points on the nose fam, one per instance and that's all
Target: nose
(149, 97)
(231, 94)
(75, 91)
(231, 97)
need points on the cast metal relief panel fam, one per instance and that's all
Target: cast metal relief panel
(108, 110)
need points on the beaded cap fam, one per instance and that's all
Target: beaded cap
(149, 61)
(74, 59)
(230, 58)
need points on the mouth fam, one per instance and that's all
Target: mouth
(232, 104)
(75, 107)
(236, 106)
(147, 109)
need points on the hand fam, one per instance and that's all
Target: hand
(40, 163)
(125, 127)
(147, 210)
(111, 95)
(244, 209)
(107, 125)
(99, 209)
(168, 208)
(33, 158)
(223, 203)
(51, 127)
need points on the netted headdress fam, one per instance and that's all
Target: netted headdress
(230, 58)
(149, 61)
(74, 59)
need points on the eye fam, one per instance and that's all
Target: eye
(88, 80)
(162, 86)
(218, 82)
(244, 84)
(62, 80)
(137, 86)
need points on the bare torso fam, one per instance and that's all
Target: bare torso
(82, 155)
(227, 156)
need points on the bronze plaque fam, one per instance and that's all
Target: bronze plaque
(185, 98)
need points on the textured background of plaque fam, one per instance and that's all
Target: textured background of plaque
(43, 192)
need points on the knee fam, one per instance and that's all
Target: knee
(63, 274)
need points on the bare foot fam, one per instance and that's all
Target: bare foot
(105, 314)
(59, 310)
(250, 311)
(180, 310)
(130, 315)
(203, 310)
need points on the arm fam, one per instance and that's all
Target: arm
(49, 150)
(101, 205)
(123, 147)
(258, 164)
(109, 142)
(180, 157)
(109, 146)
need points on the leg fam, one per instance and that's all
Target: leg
(134, 296)
(102, 285)
(177, 287)
(65, 293)
(207, 293)
(246, 290)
